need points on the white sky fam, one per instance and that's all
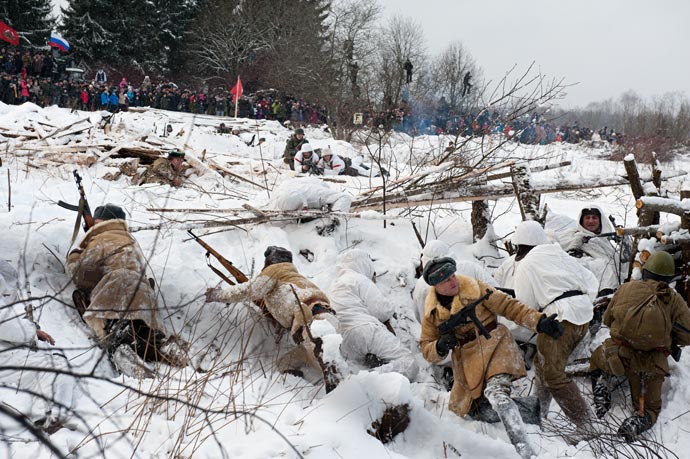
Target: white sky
(606, 46)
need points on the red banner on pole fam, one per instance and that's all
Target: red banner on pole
(236, 90)
(8, 34)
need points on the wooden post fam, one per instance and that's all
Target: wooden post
(528, 200)
(644, 217)
(685, 266)
(479, 218)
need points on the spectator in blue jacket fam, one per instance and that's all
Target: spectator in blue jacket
(104, 99)
(112, 101)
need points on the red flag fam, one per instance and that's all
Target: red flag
(236, 90)
(8, 34)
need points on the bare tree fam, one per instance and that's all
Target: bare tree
(351, 52)
(403, 39)
(448, 72)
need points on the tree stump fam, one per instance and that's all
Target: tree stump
(394, 420)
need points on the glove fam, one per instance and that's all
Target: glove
(445, 343)
(550, 326)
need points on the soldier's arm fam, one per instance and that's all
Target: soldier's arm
(253, 290)
(376, 302)
(681, 318)
(608, 314)
(510, 308)
(428, 340)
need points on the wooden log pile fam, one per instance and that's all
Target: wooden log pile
(673, 237)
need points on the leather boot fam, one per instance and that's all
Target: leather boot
(573, 404)
(634, 426)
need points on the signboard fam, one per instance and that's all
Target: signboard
(357, 118)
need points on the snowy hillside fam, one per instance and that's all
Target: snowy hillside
(237, 405)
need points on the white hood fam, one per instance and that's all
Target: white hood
(356, 260)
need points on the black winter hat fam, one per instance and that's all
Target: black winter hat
(109, 212)
(438, 270)
(275, 254)
(176, 154)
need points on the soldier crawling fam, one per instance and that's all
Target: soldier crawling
(116, 299)
(167, 171)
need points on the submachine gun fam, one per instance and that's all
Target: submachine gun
(465, 315)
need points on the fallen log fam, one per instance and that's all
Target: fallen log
(678, 237)
(658, 204)
(474, 193)
(646, 231)
(278, 217)
(667, 228)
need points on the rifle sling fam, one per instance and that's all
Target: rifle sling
(217, 271)
(568, 294)
(77, 223)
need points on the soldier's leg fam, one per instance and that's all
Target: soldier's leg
(652, 399)
(388, 348)
(497, 391)
(634, 425)
(552, 357)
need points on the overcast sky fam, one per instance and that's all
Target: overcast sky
(606, 46)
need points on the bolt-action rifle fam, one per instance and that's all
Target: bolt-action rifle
(236, 273)
(83, 210)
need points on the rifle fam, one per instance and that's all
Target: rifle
(84, 211)
(237, 274)
(330, 373)
(612, 234)
(464, 315)
(313, 169)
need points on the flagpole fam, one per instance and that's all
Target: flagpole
(237, 96)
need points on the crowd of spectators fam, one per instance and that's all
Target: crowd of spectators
(528, 129)
(40, 78)
(44, 78)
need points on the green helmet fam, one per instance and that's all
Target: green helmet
(661, 263)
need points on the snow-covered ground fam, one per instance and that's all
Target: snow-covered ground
(239, 406)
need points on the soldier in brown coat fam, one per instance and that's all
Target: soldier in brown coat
(167, 171)
(639, 346)
(114, 296)
(480, 365)
(273, 290)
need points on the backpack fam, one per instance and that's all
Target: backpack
(347, 161)
(648, 326)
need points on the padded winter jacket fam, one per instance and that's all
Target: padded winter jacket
(480, 359)
(109, 263)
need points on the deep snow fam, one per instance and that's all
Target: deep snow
(252, 411)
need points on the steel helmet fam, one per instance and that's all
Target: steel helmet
(661, 263)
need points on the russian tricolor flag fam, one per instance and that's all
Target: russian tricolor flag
(58, 42)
